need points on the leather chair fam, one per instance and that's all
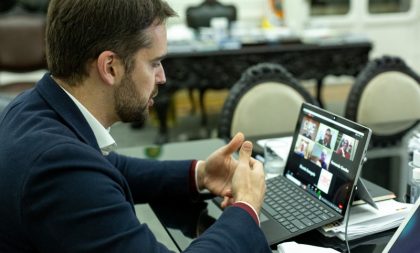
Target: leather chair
(22, 49)
(12, 7)
(22, 46)
(386, 98)
(265, 101)
(197, 17)
(201, 15)
(6, 5)
(34, 6)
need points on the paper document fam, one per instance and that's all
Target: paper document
(293, 247)
(365, 220)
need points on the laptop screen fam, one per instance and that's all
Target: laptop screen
(406, 238)
(326, 154)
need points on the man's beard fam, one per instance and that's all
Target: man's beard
(129, 106)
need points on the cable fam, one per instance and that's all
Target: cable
(347, 219)
(345, 229)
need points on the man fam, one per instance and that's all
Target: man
(301, 149)
(322, 159)
(326, 140)
(308, 129)
(62, 187)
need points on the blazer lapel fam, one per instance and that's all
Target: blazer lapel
(62, 104)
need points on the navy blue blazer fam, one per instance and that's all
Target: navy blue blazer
(58, 193)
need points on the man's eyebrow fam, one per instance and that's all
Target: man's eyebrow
(159, 58)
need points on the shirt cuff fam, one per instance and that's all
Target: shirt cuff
(249, 209)
(193, 178)
(204, 191)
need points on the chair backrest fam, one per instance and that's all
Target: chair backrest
(386, 98)
(22, 46)
(38, 6)
(6, 5)
(201, 15)
(265, 101)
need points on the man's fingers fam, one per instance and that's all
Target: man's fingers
(226, 202)
(255, 164)
(245, 152)
(253, 161)
(234, 144)
(227, 193)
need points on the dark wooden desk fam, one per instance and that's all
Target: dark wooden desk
(221, 69)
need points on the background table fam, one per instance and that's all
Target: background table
(220, 69)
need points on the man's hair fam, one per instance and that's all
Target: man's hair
(78, 31)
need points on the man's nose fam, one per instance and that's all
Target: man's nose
(160, 76)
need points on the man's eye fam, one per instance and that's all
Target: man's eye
(156, 64)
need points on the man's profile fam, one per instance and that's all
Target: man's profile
(64, 188)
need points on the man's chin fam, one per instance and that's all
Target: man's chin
(137, 119)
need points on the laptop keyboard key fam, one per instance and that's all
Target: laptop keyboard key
(323, 216)
(295, 211)
(307, 222)
(316, 220)
(269, 209)
(293, 230)
(298, 224)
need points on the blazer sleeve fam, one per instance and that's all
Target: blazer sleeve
(234, 231)
(74, 200)
(152, 180)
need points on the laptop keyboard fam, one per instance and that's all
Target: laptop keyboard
(295, 210)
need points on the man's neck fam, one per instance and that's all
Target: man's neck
(91, 97)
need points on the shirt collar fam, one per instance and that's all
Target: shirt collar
(104, 139)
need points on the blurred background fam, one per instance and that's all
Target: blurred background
(391, 26)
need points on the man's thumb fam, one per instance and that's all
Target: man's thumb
(234, 144)
(245, 152)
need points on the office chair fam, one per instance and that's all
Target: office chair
(22, 46)
(22, 49)
(200, 16)
(34, 6)
(265, 101)
(386, 98)
(6, 5)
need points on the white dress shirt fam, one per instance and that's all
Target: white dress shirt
(104, 139)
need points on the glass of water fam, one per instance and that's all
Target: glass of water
(273, 162)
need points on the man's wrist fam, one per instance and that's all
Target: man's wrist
(199, 176)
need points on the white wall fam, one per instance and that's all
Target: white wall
(396, 34)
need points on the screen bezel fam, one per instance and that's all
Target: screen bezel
(340, 123)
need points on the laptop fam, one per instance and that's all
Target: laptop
(406, 238)
(320, 175)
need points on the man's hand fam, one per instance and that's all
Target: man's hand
(234, 180)
(215, 174)
(248, 181)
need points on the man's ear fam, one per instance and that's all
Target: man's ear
(109, 67)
